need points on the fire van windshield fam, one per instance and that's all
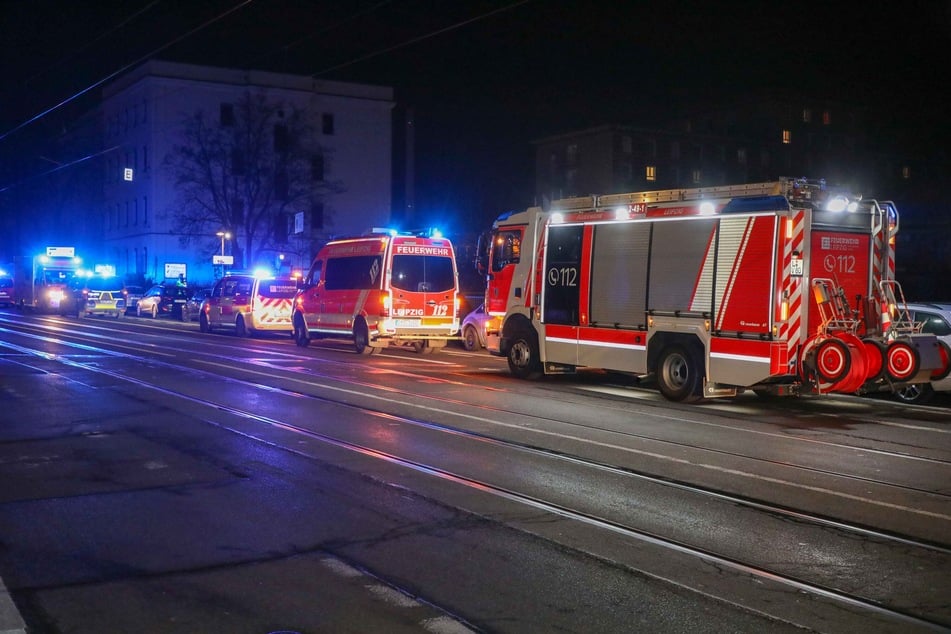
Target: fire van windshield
(423, 273)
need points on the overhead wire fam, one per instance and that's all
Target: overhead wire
(421, 38)
(72, 56)
(219, 17)
(121, 70)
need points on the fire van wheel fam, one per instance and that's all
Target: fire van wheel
(678, 375)
(203, 324)
(523, 355)
(300, 332)
(470, 339)
(239, 328)
(361, 339)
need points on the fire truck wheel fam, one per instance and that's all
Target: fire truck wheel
(901, 361)
(523, 355)
(678, 375)
(361, 339)
(916, 393)
(239, 328)
(833, 360)
(203, 324)
(300, 332)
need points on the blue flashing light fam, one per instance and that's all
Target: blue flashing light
(262, 273)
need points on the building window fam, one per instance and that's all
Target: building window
(787, 137)
(145, 211)
(317, 167)
(906, 172)
(327, 123)
(282, 141)
(626, 144)
(145, 158)
(807, 115)
(650, 173)
(571, 154)
(826, 118)
(281, 185)
(697, 176)
(317, 216)
(238, 167)
(650, 147)
(741, 156)
(675, 150)
(226, 115)
(571, 180)
(625, 171)
(764, 158)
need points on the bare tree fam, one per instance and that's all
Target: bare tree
(245, 169)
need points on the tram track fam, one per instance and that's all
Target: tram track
(412, 399)
(596, 520)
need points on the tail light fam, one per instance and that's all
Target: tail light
(385, 304)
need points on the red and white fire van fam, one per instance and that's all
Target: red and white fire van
(378, 289)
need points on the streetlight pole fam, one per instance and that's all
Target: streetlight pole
(224, 235)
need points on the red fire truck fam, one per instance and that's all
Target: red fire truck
(378, 289)
(45, 282)
(784, 288)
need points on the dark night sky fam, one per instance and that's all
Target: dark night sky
(485, 77)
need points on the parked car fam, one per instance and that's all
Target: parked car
(101, 296)
(473, 328)
(193, 306)
(249, 304)
(133, 294)
(936, 320)
(6, 291)
(163, 299)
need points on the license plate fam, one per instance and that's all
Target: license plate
(407, 323)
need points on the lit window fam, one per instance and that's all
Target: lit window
(696, 176)
(807, 115)
(787, 137)
(906, 172)
(651, 173)
(826, 118)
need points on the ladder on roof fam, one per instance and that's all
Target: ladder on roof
(782, 187)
